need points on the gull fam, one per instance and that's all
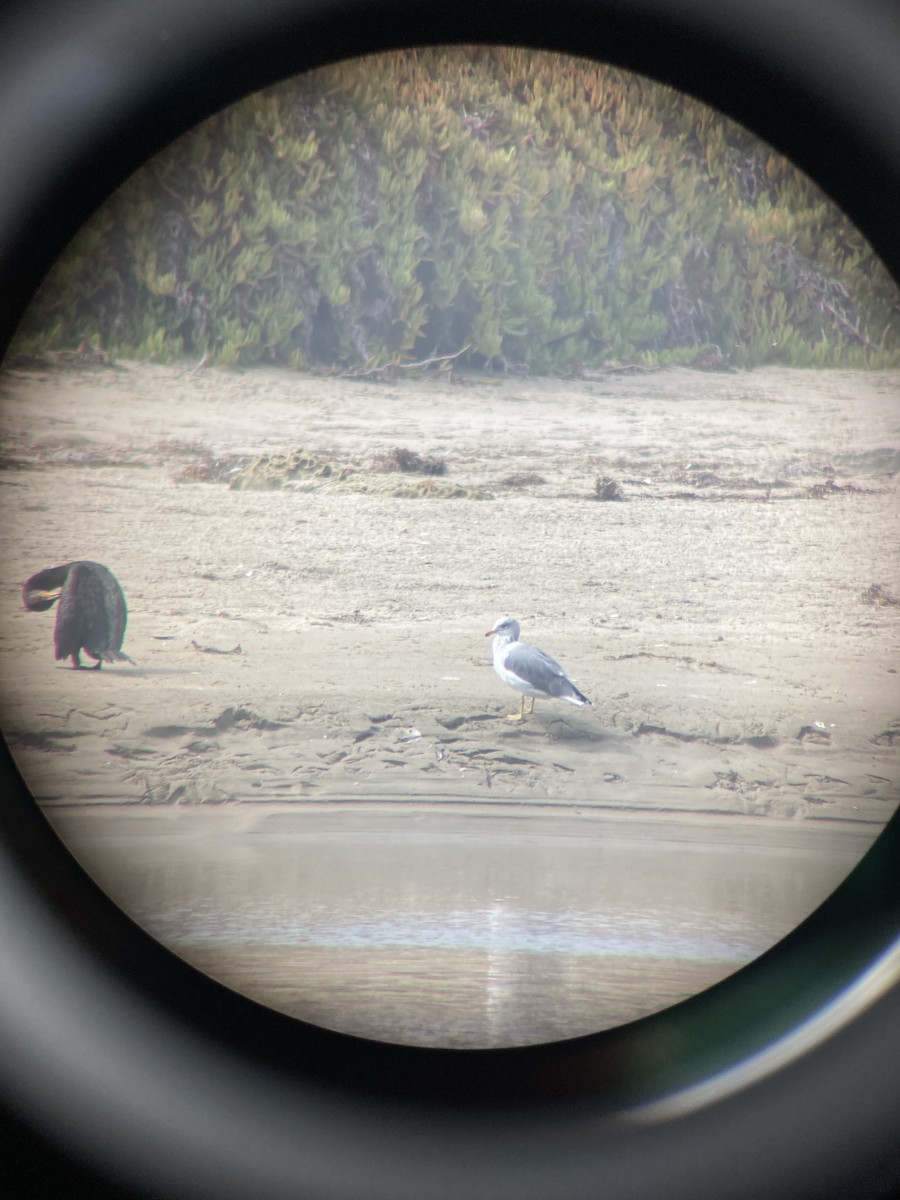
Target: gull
(529, 670)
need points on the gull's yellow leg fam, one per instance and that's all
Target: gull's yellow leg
(520, 715)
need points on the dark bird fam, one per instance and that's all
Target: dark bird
(91, 614)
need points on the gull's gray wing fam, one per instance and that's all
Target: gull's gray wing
(539, 670)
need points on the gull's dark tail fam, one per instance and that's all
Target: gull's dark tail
(577, 697)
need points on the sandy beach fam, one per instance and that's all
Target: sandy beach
(324, 641)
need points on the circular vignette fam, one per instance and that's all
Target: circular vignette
(780, 1081)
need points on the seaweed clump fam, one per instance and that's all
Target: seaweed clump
(399, 458)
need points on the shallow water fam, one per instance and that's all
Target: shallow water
(455, 928)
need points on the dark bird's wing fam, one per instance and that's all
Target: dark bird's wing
(92, 613)
(116, 612)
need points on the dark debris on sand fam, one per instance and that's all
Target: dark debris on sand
(523, 479)
(607, 488)
(819, 491)
(879, 596)
(399, 458)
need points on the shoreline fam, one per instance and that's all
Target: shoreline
(515, 818)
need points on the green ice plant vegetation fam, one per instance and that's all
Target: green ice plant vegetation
(524, 211)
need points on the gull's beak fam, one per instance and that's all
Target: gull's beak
(490, 632)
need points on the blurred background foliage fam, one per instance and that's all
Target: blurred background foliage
(538, 213)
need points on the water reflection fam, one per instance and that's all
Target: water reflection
(461, 929)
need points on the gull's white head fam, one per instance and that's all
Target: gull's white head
(505, 628)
